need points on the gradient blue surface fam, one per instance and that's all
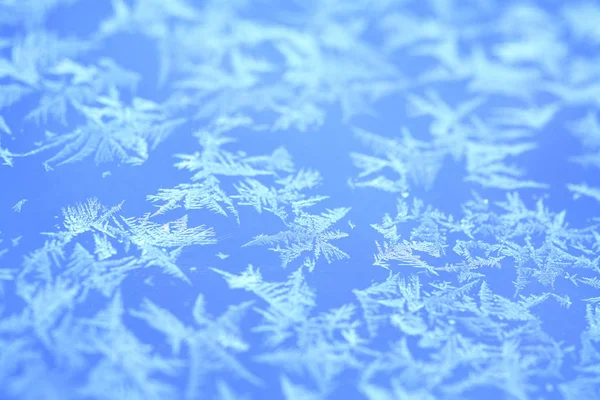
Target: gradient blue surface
(299, 200)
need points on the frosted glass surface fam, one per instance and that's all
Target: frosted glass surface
(324, 199)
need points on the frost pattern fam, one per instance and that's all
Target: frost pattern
(179, 178)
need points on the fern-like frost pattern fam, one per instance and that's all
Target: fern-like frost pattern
(299, 200)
